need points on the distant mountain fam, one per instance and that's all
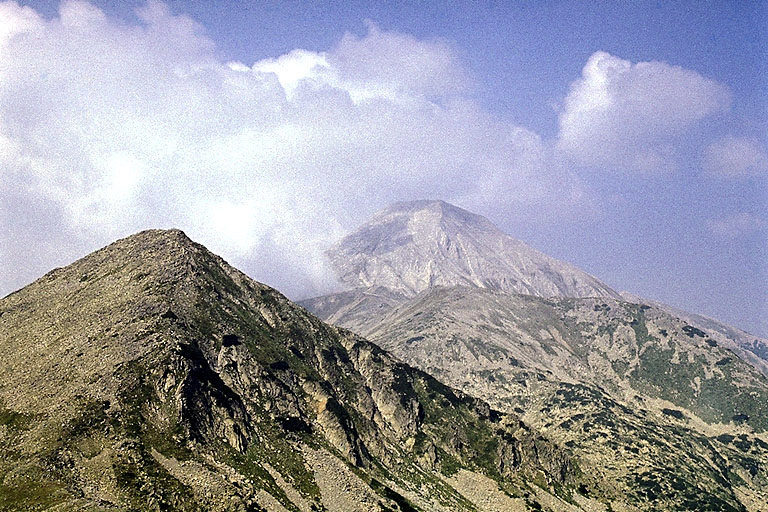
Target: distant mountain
(413, 246)
(628, 350)
(151, 375)
(668, 409)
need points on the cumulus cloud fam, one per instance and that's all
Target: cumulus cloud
(626, 116)
(390, 64)
(108, 127)
(737, 225)
(381, 65)
(734, 157)
(16, 20)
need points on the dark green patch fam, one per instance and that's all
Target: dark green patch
(674, 413)
(15, 420)
(692, 331)
(391, 494)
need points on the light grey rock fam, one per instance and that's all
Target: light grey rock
(640, 391)
(413, 246)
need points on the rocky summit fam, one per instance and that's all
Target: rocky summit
(668, 410)
(151, 375)
(413, 246)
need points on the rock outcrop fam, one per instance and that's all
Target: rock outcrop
(151, 375)
(667, 408)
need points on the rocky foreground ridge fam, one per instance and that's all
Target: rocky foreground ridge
(668, 410)
(151, 375)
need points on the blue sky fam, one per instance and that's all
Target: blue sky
(628, 138)
(523, 55)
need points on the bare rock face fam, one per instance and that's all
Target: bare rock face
(413, 246)
(667, 408)
(664, 412)
(151, 375)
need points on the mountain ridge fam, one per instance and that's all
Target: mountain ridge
(750, 347)
(375, 283)
(153, 375)
(669, 407)
(412, 246)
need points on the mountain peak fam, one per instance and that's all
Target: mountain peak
(424, 204)
(415, 245)
(435, 210)
(152, 375)
(151, 239)
(163, 263)
(153, 250)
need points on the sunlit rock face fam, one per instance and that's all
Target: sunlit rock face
(416, 245)
(667, 408)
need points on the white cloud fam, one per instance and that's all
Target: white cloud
(16, 20)
(381, 65)
(293, 68)
(737, 225)
(107, 128)
(735, 157)
(390, 64)
(626, 116)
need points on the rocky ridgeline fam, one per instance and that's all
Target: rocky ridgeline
(666, 407)
(151, 375)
